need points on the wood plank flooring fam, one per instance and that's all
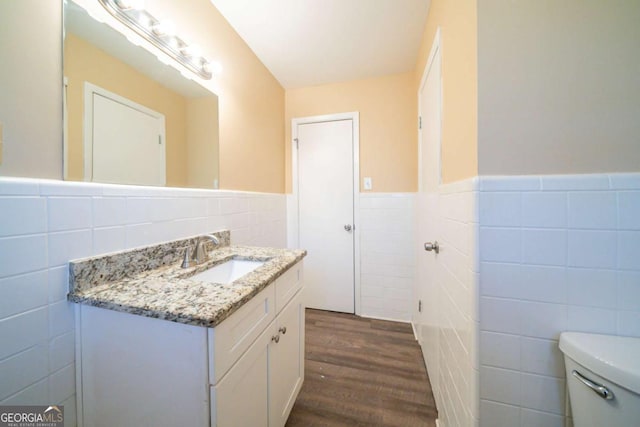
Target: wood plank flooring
(362, 372)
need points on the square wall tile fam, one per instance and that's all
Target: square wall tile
(22, 331)
(544, 209)
(500, 350)
(109, 239)
(500, 209)
(500, 315)
(494, 414)
(629, 323)
(69, 213)
(629, 290)
(543, 320)
(109, 211)
(61, 318)
(590, 319)
(629, 210)
(544, 246)
(531, 418)
(58, 283)
(629, 250)
(543, 393)
(22, 215)
(61, 351)
(35, 394)
(592, 249)
(543, 357)
(22, 254)
(543, 283)
(21, 370)
(500, 244)
(69, 245)
(501, 280)
(500, 385)
(594, 288)
(23, 293)
(62, 384)
(593, 209)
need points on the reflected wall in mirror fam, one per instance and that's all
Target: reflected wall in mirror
(129, 118)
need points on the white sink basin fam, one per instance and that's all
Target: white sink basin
(227, 272)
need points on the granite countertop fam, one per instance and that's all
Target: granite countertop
(165, 290)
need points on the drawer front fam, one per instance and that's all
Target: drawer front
(231, 338)
(288, 285)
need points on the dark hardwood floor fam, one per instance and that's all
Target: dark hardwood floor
(362, 372)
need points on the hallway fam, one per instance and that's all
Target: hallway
(362, 372)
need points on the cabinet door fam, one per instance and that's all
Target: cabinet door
(286, 364)
(139, 371)
(240, 399)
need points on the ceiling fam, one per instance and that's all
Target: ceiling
(313, 42)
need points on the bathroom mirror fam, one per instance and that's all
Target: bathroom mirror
(130, 118)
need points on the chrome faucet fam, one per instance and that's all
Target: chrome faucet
(200, 254)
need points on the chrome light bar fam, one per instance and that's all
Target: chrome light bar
(159, 33)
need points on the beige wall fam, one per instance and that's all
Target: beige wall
(85, 62)
(202, 142)
(559, 86)
(251, 100)
(458, 26)
(31, 88)
(388, 125)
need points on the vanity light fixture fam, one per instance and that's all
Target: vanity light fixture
(159, 33)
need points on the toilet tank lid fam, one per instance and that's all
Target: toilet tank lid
(614, 358)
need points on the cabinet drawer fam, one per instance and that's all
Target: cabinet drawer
(287, 285)
(231, 338)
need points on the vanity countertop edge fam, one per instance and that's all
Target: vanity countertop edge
(166, 291)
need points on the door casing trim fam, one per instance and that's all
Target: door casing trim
(293, 223)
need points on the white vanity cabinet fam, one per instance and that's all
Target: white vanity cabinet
(247, 371)
(261, 388)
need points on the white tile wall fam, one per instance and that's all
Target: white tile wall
(44, 224)
(557, 253)
(387, 261)
(448, 326)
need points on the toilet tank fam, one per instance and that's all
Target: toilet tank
(603, 378)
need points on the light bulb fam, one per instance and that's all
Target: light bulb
(130, 4)
(216, 67)
(164, 28)
(191, 50)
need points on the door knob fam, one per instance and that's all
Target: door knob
(347, 227)
(276, 338)
(432, 247)
(283, 329)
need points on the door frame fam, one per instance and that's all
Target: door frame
(87, 129)
(293, 223)
(436, 49)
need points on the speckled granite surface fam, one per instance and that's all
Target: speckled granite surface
(160, 288)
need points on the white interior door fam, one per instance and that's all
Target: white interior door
(326, 213)
(124, 141)
(427, 289)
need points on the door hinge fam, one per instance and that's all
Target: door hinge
(419, 122)
(419, 306)
(297, 143)
(159, 139)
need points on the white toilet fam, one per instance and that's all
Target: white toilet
(603, 375)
